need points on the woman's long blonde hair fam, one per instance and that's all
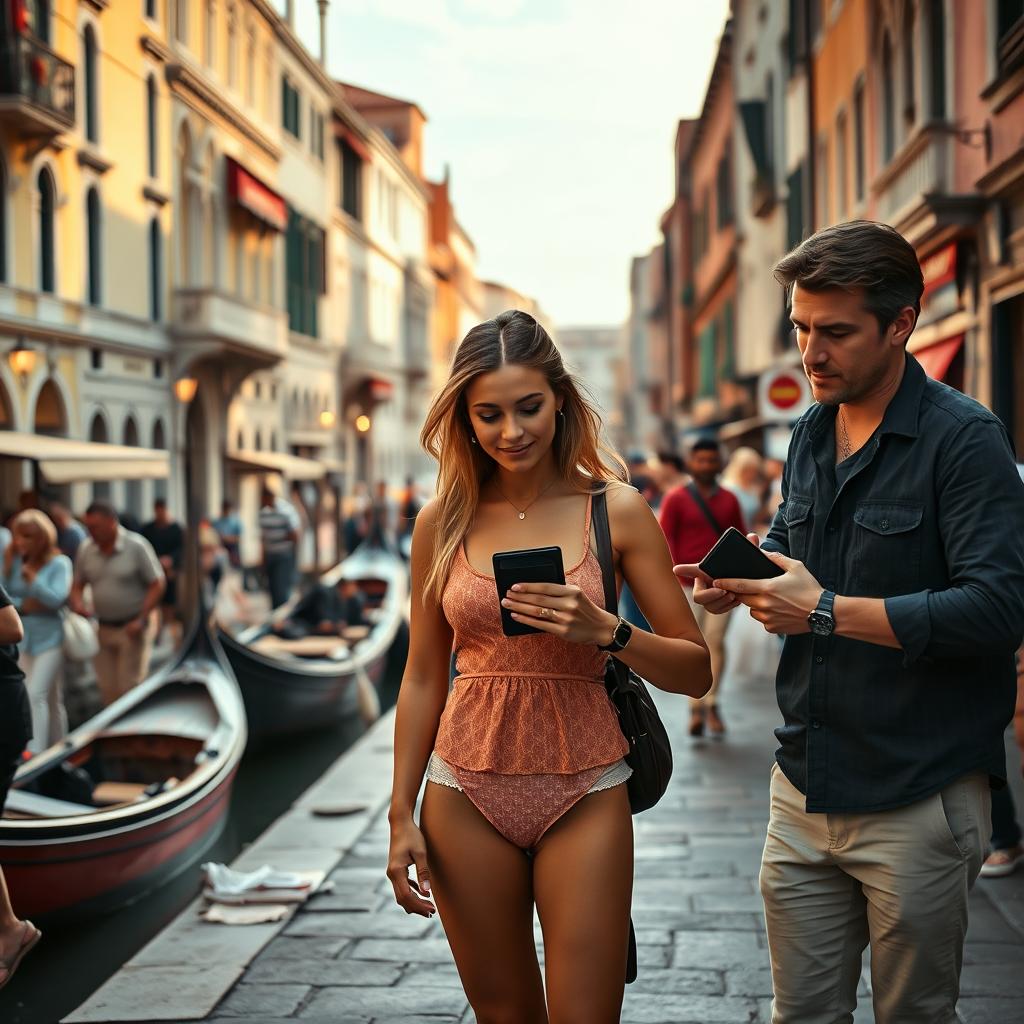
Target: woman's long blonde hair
(581, 455)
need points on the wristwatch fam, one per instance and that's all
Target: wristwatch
(821, 620)
(621, 637)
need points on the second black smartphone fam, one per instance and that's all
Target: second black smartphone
(735, 558)
(531, 565)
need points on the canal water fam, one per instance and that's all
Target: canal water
(68, 966)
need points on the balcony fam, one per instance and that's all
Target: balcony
(212, 323)
(37, 88)
(921, 170)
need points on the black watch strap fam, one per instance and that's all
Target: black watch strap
(825, 602)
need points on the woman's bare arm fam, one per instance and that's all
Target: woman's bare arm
(11, 629)
(425, 681)
(674, 657)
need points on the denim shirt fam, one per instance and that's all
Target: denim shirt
(929, 516)
(43, 630)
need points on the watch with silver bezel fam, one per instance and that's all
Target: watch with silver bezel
(821, 620)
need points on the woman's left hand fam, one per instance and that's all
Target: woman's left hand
(563, 611)
(28, 572)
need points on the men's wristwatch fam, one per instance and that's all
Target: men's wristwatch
(820, 620)
(621, 637)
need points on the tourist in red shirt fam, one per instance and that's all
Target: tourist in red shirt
(691, 531)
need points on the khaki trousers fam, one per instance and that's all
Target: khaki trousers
(898, 879)
(713, 627)
(122, 661)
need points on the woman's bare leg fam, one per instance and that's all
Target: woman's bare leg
(583, 885)
(482, 887)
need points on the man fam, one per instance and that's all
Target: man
(334, 608)
(16, 937)
(693, 516)
(279, 533)
(229, 529)
(127, 582)
(902, 603)
(70, 532)
(167, 539)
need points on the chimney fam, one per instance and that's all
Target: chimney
(322, 4)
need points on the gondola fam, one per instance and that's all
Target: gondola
(132, 797)
(293, 684)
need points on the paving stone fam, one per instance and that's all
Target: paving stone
(323, 972)
(246, 1000)
(994, 953)
(718, 950)
(396, 925)
(365, 900)
(383, 1002)
(678, 981)
(1002, 980)
(728, 903)
(644, 1008)
(443, 975)
(749, 981)
(991, 1011)
(687, 921)
(285, 947)
(431, 951)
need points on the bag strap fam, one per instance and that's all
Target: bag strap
(691, 489)
(599, 515)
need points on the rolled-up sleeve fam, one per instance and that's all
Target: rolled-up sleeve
(52, 586)
(980, 500)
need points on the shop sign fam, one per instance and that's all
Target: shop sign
(783, 395)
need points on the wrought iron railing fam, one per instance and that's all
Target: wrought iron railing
(32, 71)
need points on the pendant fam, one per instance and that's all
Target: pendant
(522, 515)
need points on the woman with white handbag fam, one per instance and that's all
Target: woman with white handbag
(38, 578)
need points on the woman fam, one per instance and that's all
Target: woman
(744, 476)
(525, 802)
(38, 578)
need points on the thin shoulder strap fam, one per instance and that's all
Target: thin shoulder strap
(603, 532)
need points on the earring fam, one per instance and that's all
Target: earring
(472, 439)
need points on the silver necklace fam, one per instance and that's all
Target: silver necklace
(845, 448)
(522, 511)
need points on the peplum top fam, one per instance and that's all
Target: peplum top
(524, 705)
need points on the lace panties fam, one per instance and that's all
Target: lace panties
(523, 807)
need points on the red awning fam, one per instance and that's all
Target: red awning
(353, 142)
(936, 358)
(251, 194)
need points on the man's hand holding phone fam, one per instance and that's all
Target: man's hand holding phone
(705, 593)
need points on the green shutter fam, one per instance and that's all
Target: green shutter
(707, 355)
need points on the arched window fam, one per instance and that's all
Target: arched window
(937, 57)
(888, 101)
(150, 8)
(909, 77)
(250, 69)
(240, 442)
(258, 442)
(91, 76)
(233, 46)
(50, 417)
(98, 433)
(94, 240)
(273, 440)
(155, 270)
(3, 222)
(133, 487)
(47, 203)
(160, 444)
(151, 125)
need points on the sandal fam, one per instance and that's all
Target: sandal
(697, 721)
(1000, 863)
(716, 727)
(26, 947)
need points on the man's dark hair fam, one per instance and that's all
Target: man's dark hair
(100, 507)
(858, 254)
(225, 505)
(705, 444)
(672, 459)
(159, 503)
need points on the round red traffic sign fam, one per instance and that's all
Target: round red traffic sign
(784, 391)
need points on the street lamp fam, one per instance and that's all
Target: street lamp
(22, 360)
(185, 389)
(363, 423)
(327, 419)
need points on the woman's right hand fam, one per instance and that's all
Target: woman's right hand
(408, 849)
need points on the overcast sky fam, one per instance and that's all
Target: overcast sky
(556, 117)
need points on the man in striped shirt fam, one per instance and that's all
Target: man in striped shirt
(279, 532)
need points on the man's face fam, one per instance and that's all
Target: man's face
(845, 354)
(160, 512)
(102, 529)
(705, 464)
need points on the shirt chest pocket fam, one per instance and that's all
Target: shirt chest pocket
(887, 547)
(797, 514)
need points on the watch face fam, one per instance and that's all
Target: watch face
(821, 623)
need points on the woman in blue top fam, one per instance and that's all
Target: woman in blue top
(38, 578)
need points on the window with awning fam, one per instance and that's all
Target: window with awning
(63, 460)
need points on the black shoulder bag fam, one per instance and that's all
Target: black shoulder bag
(698, 500)
(650, 753)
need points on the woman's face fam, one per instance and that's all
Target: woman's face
(751, 475)
(512, 413)
(27, 541)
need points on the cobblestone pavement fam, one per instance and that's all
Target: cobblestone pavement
(352, 956)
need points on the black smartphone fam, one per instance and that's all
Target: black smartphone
(531, 565)
(735, 558)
